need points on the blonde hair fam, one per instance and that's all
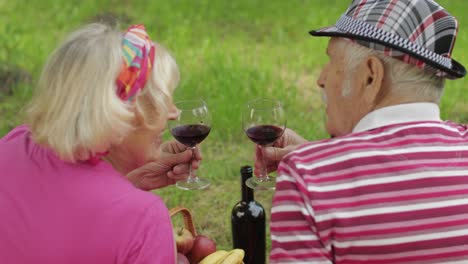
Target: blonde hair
(158, 90)
(76, 111)
(404, 79)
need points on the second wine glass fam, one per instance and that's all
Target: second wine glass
(190, 128)
(263, 121)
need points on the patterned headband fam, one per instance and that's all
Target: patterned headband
(138, 59)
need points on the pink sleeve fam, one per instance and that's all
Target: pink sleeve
(293, 232)
(153, 243)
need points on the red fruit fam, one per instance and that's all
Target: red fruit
(182, 259)
(184, 240)
(202, 247)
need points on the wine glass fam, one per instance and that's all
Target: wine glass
(263, 121)
(190, 128)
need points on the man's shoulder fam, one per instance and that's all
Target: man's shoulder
(380, 136)
(331, 146)
(355, 148)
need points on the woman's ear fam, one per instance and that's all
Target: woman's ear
(371, 79)
(146, 113)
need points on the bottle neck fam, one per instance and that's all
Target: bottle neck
(247, 193)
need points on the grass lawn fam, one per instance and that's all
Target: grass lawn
(228, 52)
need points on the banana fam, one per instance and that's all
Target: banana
(235, 256)
(214, 257)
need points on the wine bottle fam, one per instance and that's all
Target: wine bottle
(248, 223)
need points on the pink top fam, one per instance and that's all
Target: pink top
(57, 212)
(393, 192)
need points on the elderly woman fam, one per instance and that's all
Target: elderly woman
(391, 185)
(69, 177)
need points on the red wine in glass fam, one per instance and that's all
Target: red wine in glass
(190, 135)
(190, 128)
(264, 134)
(263, 121)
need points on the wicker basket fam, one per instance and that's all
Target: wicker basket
(187, 215)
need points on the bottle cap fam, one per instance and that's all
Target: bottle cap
(246, 169)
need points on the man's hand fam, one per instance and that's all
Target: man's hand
(288, 142)
(172, 166)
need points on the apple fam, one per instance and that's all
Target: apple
(182, 259)
(184, 240)
(202, 247)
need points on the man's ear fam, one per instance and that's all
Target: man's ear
(371, 79)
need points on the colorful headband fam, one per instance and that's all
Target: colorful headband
(138, 59)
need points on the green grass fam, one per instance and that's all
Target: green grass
(228, 52)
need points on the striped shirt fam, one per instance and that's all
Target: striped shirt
(393, 191)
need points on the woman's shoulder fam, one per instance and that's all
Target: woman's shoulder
(15, 145)
(15, 133)
(110, 186)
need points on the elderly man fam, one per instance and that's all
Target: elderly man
(391, 186)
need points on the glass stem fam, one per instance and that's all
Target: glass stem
(263, 170)
(191, 176)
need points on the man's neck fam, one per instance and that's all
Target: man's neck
(397, 100)
(399, 113)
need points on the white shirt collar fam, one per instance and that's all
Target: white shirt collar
(396, 114)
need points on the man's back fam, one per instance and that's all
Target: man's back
(394, 194)
(56, 212)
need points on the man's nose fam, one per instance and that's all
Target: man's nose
(322, 79)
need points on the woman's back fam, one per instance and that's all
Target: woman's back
(58, 212)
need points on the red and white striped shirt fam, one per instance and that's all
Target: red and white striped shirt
(393, 191)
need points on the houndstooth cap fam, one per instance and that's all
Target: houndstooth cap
(418, 32)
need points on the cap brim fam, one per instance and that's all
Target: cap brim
(457, 70)
(326, 32)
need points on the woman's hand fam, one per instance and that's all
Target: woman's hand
(172, 166)
(288, 142)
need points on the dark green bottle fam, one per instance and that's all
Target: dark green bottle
(248, 223)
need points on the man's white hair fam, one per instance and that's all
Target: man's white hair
(404, 80)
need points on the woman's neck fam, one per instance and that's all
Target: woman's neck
(118, 160)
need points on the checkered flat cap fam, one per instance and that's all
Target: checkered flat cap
(418, 32)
